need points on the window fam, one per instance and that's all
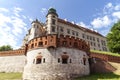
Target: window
(64, 43)
(87, 36)
(40, 44)
(76, 33)
(61, 29)
(84, 61)
(91, 44)
(53, 16)
(53, 21)
(58, 60)
(75, 44)
(70, 43)
(64, 60)
(35, 44)
(98, 45)
(93, 38)
(70, 61)
(90, 37)
(45, 42)
(68, 31)
(43, 60)
(73, 33)
(97, 39)
(83, 35)
(38, 60)
(53, 28)
(32, 46)
(94, 44)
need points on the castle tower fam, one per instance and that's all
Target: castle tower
(36, 30)
(51, 21)
(53, 57)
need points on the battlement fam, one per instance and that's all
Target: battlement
(43, 42)
(72, 42)
(58, 41)
(12, 52)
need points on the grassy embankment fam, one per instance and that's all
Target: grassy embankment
(108, 76)
(10, 76)
(108, 53)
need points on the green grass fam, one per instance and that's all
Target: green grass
(10, 76)
(108, 53)
(107, 76)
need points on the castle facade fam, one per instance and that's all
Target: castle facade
(58, 49)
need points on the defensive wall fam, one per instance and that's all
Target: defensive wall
(105, 57)
(12, 61)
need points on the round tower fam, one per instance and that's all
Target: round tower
(51, 21)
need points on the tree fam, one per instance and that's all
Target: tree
(113, 38)
(6, 48)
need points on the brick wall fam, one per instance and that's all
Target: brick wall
(12, 52)
(105, 57)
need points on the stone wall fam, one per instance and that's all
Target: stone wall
(52, 67)
(12, 63)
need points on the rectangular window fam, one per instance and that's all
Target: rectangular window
(53, 21)
(87, 36)
(43, 60)
(83, 35)
(40, 44)
(64, 43)
(53, 28)
(76, 33)
(93, 38)
(58, 60)
(97, 39)
(68, 31)
(90, 37)
(73, 33)
(62, 29)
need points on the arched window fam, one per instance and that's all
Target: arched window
(65, 58)
(38, 59)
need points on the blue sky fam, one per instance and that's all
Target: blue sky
(16, 16)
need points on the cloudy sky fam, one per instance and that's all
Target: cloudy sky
(16, 16)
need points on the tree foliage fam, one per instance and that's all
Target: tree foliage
(6, 48)
(113, 38)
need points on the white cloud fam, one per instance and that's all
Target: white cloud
(117, 7)
(4, 10)
(101, 22)
(16, 11)
(12, 27)
(104, 21)
(116, 14)
(43, 11)
(109, 5)
(83, 25)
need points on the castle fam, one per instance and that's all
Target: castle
(58, 49)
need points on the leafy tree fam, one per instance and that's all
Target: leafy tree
(113, 38)
(6, 48)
